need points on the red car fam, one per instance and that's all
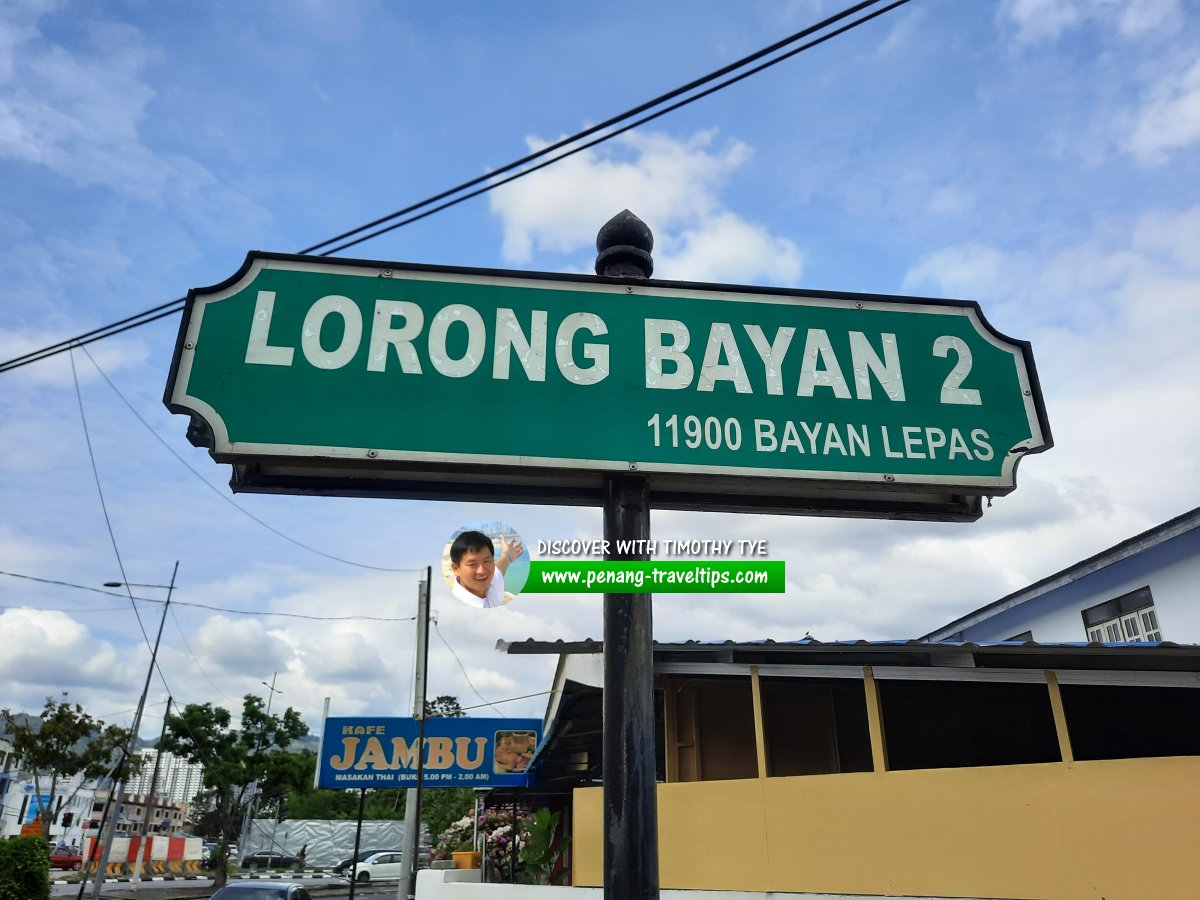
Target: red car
(65, 859)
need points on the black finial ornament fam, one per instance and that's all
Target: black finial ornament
(623, 247)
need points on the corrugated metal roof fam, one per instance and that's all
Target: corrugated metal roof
(592, 645)
(1148, 657)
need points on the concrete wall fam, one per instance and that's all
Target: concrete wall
(457, 885)
(1117, 829)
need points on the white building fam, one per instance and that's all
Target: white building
(78, 806)
(1142, 589)
(72, 803)
(178, 779)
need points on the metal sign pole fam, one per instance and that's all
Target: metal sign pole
(630, 799)
(412, 809)
(362, 799)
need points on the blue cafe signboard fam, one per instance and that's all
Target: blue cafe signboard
(376, 752)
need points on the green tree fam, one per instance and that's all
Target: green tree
(234, 759)
(64, 741)
(444, 706)
(303, 801)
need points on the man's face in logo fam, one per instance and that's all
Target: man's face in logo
(474, 570)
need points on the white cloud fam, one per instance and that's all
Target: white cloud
(111, 355)
(342, 656)
(674, 186)
(78, 114)
(726, 248)
(1091, 311)
(18, 25)
(1169, 120)
(79, 111)
(951, 200)
(54, 651)
(1142, 17)
(1048, 20)
(242, 645)
(960, 271)
(1039, 20)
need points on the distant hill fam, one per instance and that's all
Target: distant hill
(310, 743)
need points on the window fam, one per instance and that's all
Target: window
(725, 714)
(1130, 618)
(815, 726)
(950, 724)
(1132, 721)
(811, 726)
(712, 733)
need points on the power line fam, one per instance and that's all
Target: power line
(208, 606)
(196, 660)
(122, 712)
(84, 609)
(97, 334)
(174, 306)
(588, 132)
(104, 506)
(470, 683)
(612, 134)
(222, 494)
(507, 700)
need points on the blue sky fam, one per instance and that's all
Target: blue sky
(1039, 156)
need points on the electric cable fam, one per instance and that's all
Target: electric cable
(208, 606)
(470, 683)
(122, 712)
(610, 135)
(71, 609)
(104, 506)
(588, 132)
(175, 306)
(222, 494)
(507, 700)
(222, 694)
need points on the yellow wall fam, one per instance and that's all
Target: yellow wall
(1117, 829)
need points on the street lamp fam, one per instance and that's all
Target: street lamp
(271, 687)
(248, 816)
(119, 786)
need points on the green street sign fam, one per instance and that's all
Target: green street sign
(316, 375)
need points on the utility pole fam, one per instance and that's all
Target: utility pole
(412, 808)
(247, 818)
(144, 835)
(119, 785)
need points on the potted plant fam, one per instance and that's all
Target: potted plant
(457, 842)
(466, 856)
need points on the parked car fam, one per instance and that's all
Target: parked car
(66, 859)
(260, 890)
(207, 851)
(380, 866)
(343, 868)
(270, 859)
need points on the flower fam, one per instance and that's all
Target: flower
(501, 835)
(459, 835)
